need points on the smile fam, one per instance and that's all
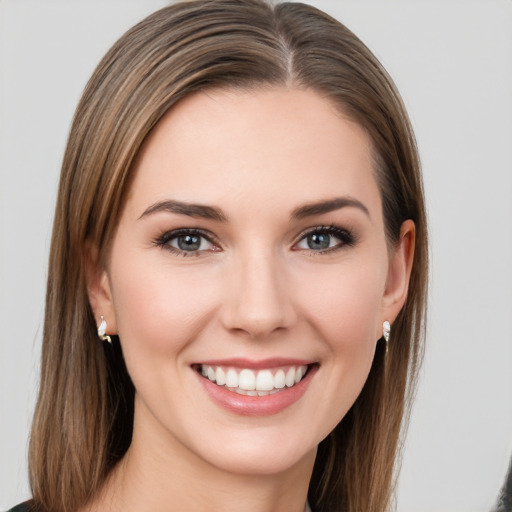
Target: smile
(246, 381)
(255, 388)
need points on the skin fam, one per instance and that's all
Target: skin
(256, 290)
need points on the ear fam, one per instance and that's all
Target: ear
(399, 272)
(99, 290)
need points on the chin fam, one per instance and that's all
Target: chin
(260, 461)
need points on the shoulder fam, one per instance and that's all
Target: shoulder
(23, 507)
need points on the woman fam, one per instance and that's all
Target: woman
(240, 220)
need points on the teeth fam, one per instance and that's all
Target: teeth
(265, 381)
(247, 380)
(231, 379)
(254, 383)
(279, 379)
(220, 376)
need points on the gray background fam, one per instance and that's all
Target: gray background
(452, 61)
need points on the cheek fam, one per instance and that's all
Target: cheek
(344, 305)
(344, 308)
(160, 311)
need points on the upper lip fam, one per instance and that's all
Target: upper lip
(238, 362)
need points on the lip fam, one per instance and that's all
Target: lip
(262, 364)
(257, 405)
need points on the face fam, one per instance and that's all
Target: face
(249, 277)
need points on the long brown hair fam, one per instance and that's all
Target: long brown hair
(83, 418)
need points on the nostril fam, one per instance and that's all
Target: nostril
(258, 303)
(261, 321)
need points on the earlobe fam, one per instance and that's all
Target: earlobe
(99, 291)
(399, 272)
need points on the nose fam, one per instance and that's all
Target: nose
(259, 299)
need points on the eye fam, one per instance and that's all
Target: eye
(186, 242)
(325, 239)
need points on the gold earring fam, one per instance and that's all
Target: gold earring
(101, 330)
(386, 330)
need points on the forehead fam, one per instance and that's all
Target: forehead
(263, 146)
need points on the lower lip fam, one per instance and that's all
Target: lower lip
(257, 405)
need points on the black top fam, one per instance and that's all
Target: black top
(22, 507)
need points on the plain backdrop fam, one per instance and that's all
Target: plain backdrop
(452, 61)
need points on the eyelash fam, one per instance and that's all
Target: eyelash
(346, 238)
(163, 240)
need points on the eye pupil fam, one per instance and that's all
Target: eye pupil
(318, 241)
(189, 242)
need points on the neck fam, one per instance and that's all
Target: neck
(160, 473)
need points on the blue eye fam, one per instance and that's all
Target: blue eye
(189, 243)
(325, 239)
(186, 242)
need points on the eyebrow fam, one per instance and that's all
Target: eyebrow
(321, 207)
(213, 213)
(191, 210)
